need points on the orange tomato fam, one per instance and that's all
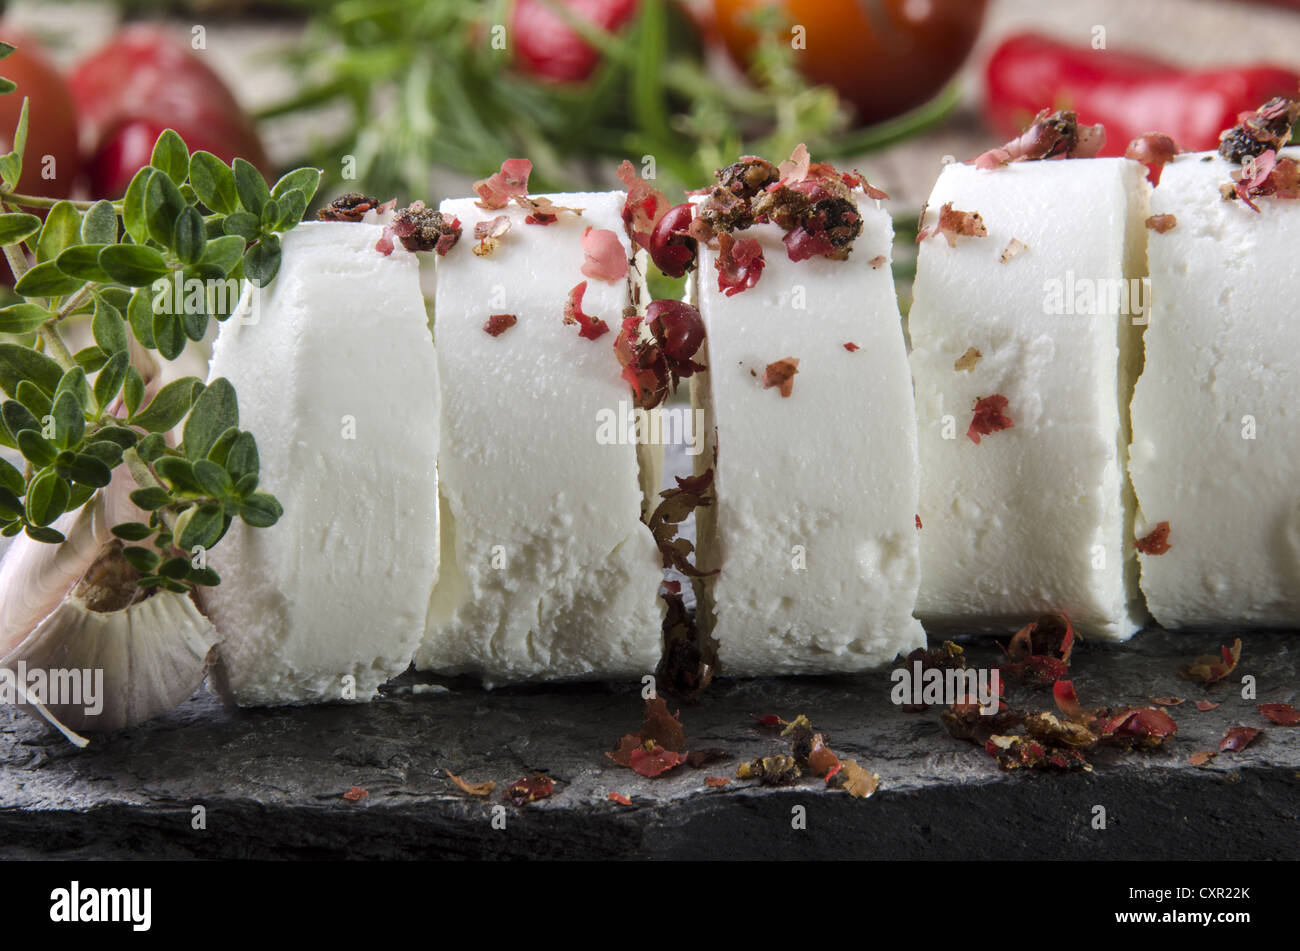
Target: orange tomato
(882, 56)
(51, 119)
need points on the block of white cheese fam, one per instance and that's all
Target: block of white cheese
(813, 526)
(548, 571)
(337, 378)
(1215, 450)
(1025, 344)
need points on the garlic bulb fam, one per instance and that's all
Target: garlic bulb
(71, 613)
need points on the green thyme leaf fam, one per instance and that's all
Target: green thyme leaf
(143, 560)
(304, 180)
(69, 423)
(99, 224)
(90, 359)
(262, 260)
(108, 328)
(152, 447)
(242, 459)
(87, 470)
(82, 262)
(204, 527)
(179, 473)
(169, 406)
(47, 498)
(203, 576)
(163, 204)
(139, 314)
(11, 164)
(11, 478)
(188, 236)
(245, 225)
(17, 417)
(36, 449)
(15, 227)
(150, 499)
(110, 379)
(132, 531)
(260, 510)
(132, 390)
(215, 411)
(132, 264)
(220, 450)
(46, 280)
(33, 397)
(171, 156)
(62, 230)
(42, 533)
(215, 480)
(74, 381)
(119, 435)
(175, 568)
(19, 363)
(106, 451)
(223, 253)
(134, 219)
(213, 182)
(169, 335)
(22, 318)
(250, 186)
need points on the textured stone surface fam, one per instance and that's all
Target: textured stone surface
(272, 781)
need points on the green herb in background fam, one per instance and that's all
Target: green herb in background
(425, 87)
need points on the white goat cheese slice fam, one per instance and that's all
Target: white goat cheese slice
(1215, 451)
(1046, 311)
(813, 524)
(337, 378)
(548, 570)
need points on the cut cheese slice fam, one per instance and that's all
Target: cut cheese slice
(1044, 312)
(813, 525)
(548, 570)
(337, 378)
(1215, 451)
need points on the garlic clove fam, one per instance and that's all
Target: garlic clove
(153, 655)
(75, 606)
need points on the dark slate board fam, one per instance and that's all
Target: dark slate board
(272, 781)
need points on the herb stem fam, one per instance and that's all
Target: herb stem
(38, 201)
(17, 260)
(55, 346)
(75, 301)
(145, 479)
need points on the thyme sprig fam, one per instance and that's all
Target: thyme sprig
(150, 272)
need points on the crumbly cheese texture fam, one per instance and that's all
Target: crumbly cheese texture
(1036, 518)
(548, 570)
(813, 525)
(1216, 410)
(337, 378)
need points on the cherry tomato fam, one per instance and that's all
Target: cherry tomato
(882, 56)
(144, 80)
(127, 147)
(51, 119)
(546, 47)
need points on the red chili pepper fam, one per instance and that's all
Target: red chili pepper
(1128, 93)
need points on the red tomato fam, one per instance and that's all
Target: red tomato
(144, 81)
(127, 147)
(545, 46)
(51, 119)
(883, 56)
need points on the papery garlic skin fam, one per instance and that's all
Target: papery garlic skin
(58, 614)
(336, 373)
